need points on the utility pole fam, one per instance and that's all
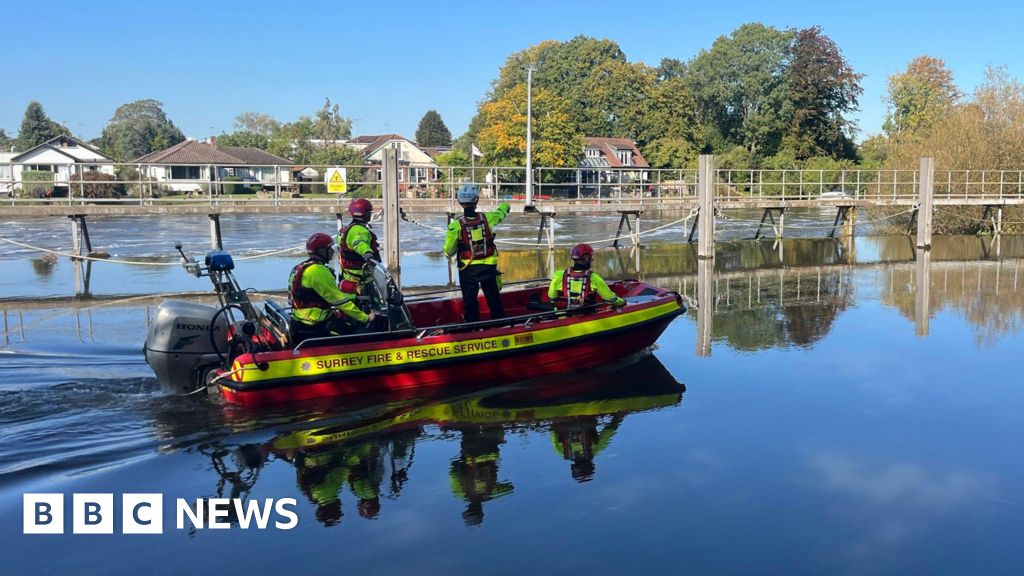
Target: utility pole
(529, 135)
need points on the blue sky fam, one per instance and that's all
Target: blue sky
(387, 64)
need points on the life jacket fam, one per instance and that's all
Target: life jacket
(476, 240)
(299, 296)
(576, 291)
(350, 259)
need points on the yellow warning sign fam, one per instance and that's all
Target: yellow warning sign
(336, 180)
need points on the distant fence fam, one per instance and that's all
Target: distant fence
(171, 184)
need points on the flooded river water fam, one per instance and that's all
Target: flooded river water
(834, 419)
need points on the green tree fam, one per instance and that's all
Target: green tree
(36, 127)
(503, 138)
(5, 141)
(244, 139)
(822, 88)
(256, 123)
(138, 128)
(329, 125)
(670, 68)
(740, 87)
(619, 97)
(432, 131)
(561, 68)
(919, 96)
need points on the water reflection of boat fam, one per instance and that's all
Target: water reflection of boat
(369, 450)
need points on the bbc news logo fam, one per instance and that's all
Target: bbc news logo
(144, 513)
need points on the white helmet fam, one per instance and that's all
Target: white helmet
(468, 194)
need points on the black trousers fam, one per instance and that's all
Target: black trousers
(471, 279)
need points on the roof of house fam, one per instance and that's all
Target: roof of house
(378, 142)
(195, 152)
(610, 146)
(73, 148)
(435, 151)
(363, 139)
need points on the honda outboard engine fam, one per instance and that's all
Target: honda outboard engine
(183, 345)
(188, 340)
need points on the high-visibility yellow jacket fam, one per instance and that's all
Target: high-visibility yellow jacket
(359, 241)
(597, 285)
(319, 280)
(453, 237)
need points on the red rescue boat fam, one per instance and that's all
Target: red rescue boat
(525, 345)
(425, 344)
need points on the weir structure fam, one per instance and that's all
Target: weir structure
(706, 194)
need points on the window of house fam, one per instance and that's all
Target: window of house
(42, 167)
(625, 156)
(229, 171)
(93, 168)
(184, 172)
(593, 153)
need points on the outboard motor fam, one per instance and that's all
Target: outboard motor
(183, 344)
(187, 340)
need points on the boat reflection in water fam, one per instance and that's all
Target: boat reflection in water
(369, 450)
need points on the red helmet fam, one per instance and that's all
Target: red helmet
(360, 208)
(321, 246)
(581, 250)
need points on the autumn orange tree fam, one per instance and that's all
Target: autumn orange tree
(503, 136)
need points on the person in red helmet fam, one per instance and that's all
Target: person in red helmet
(357, 245)
(579, 286)
(319, 308)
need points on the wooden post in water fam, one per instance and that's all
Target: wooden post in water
(76, 237)
(216, 243)
(922, 301)
(391, 215)
(706, 201)
(926, 188)
(705, 304)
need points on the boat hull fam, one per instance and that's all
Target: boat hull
(482, 358)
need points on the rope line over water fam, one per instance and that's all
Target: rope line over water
(300, 248)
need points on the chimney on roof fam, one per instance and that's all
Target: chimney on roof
(212, 140)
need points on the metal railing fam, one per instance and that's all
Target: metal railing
(856, 184)
(216, 185)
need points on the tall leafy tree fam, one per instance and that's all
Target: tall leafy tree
(36, 127)
(619, 97)
(740, 87)
(244, 139)
(432, 131)
(256, 123)
(919, 96)
(822, 89)
(138, 128)
(329, 125)
(5, 141)
(503, 138)
(562, 68)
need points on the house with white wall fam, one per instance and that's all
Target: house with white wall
(6, 173)
(64, 156)
(416, 167)
(191, 166)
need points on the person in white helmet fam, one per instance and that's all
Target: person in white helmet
(471, 238)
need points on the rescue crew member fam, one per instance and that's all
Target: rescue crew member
(579, 286)
(357, 245)
(319, 308)
(471, 237)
